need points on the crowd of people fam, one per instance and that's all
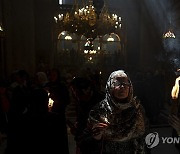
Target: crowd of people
(109, 120)
(26, 121)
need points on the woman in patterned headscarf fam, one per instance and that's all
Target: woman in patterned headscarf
(116, 124)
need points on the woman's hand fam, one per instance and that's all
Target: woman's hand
(98, 130)
(174, 121)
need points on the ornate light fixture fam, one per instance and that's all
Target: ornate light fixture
(169, 34)
(110, 39)
(87, 22)
(68, 37)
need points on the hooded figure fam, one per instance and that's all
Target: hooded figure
(117, 124)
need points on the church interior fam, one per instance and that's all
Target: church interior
(94, 38)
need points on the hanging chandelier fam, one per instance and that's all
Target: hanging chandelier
(169, 34)
(87, 22)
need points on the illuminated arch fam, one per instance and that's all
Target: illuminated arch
(67, 41)
(111, 43)
(112, 35)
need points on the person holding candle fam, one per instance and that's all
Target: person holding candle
(38, 130)
(174, 121)
(59, 92)
(118, 123)
(174, 118)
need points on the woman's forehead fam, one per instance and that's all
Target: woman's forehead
(120, 75)
(121, 78)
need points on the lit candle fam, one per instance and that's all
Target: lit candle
(56, 19)
(174, 95)
(50, 103)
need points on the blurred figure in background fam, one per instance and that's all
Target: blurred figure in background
(86, 97)
(174, 121)
(58, 92)
(174, 117)
(41, 79)
(38, 130)
(19, 94)
(4, 109)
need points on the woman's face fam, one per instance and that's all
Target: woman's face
(120, 87)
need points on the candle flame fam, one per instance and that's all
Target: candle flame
(50, 104)
(175, 89)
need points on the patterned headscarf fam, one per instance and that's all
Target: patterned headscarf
(110, 88)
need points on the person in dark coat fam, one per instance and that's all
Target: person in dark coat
(174, 117)
(58, 92)
(38, 131)
(86, 97)
(174, 121)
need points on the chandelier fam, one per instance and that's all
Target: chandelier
(169, 34)
(87, 22)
